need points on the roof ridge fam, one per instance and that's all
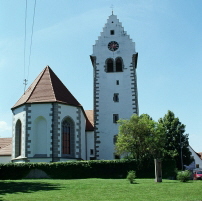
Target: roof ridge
(42, 73)
(28, 93)
(49, 69)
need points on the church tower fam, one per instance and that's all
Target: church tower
(114, 60)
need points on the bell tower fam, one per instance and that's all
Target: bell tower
(114, 61)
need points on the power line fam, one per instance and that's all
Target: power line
(25, 37)
(25, 79)
(30, 48)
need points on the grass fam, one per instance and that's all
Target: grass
(99, 189)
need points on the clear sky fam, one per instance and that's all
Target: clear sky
(168, 37)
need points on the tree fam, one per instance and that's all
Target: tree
(177, 142)
(140, 136)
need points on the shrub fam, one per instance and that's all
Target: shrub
(183, 176)
(82, 169)
(131, 176)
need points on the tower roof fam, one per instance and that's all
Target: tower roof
(47, 87)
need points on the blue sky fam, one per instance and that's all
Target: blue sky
(168, 39)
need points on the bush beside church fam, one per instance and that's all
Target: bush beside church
(85, 169)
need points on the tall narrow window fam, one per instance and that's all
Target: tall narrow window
(110, 65)
(18, 138)
(91, 151)
(66, 137)
(115, 118)
(116, 97)
(117, 82)
(119, 65)
(115, 138)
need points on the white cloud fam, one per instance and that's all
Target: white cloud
(4, 126)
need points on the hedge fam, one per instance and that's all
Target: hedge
(86, 169)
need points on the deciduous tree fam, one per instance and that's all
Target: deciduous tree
(140, 136)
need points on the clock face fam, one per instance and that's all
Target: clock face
(113, 46)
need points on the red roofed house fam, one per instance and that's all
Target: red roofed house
(5, 150)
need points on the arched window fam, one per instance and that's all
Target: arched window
(18, 138)
(110, 65)
(68, 137)
(119, 65)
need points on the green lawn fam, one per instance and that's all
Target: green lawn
(99, 189)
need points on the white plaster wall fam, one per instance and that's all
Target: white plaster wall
(38, 160)
(196, 157)
(83, 136)
(5, 159)
(40, 110)
(107, 84)
(19, 114)
(90, 144)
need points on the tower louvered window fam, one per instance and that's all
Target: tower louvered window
(119, 65)
(110, 65)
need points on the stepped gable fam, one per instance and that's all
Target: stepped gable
(47, 87)
(104, 34)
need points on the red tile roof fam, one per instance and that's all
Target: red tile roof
(200, 154)
(5, 146)
(47, 87)
(89, 120)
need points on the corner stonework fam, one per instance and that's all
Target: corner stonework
(55, 137)
(28, 112)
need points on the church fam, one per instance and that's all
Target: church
(50, 125)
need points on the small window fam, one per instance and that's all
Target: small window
(112, 32)
(117, 82)
(116, 156)
(115, 118)
(197, 165)
(116, 97)
(115, 139)
(91, 151)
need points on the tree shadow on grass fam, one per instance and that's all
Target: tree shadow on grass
(10, 187)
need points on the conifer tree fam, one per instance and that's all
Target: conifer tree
(177, 142)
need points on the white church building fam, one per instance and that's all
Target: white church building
(50, 125)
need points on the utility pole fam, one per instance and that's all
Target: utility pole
(181, 146)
